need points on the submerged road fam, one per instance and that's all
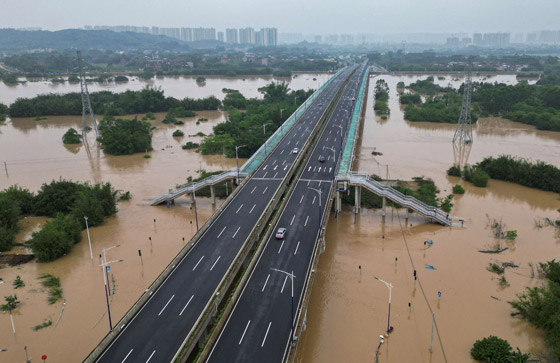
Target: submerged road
(159, 329)
(258, 329)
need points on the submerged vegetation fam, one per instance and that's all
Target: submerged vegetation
(381, 106)
(539, 305)
(123, 137)
(72, 137)
(246, 127)
(53, 284)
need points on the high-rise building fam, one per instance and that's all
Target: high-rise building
(221, 37)
(231, 36)
(204, 34)
(186, 34)
(247, 36)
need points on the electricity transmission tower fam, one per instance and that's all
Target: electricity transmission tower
(463, 138)
(463, 133)
(86, 103)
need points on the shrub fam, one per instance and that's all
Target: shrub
(480, 178)
(123, 137)
(71, 137)
(18, 283)
(178, 133)
(56, 238)
(6, 239)
(511, 235)
(190, 145)
(150, 116)
(454, 171)
(495, 268)
(147, 156)
(457, 189)
(492, 349)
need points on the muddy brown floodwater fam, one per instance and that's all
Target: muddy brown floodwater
(348, 310)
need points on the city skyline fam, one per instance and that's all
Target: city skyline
(356, 16)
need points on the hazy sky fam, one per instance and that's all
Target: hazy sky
(305, 16)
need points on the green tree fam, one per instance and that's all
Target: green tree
(6, 239)
(56, 197)
(71, 137)
(21, 196)
(492, 349)
(12, 303)
(121, 136)
(56, 238)
(457, 189)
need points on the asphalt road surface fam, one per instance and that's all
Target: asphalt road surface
(259, 327)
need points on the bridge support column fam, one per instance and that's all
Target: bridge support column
(384, 207)
(192, 198)
(407, 214)
(337, 202)
(213, 194)
(357, 198)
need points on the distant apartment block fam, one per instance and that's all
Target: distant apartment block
(231, 36)
(262, 37)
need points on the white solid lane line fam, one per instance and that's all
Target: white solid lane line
(188, 302)
(265, 282)
(215, 263)
(292, 222)
(235, 234)
(265, 189)
(166, 305)
(280, 249)
(252, 209)
(306, 219)
(151, 355)
(241, 206)
(244, 331)
(284, 284)
(195, 266)
(253, 190)
(127, 356)
(222, 232)
(266, 334)
(297, 247)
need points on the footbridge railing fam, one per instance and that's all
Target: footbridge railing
(193, 187)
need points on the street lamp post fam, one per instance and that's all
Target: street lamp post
(390, 287)
(194, 202)
(105, 266)
(105, 261)
(237, 160)
(89, 239)
(264, 127)
(292, 276)
(295, 100)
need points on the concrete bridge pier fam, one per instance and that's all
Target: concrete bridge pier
(407, 214)
(357, 198)
(338, 202)
(384, 207)
(213, 194)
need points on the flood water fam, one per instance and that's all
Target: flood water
(178, 86)
(347, 311)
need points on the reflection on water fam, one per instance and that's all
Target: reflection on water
(348, 310)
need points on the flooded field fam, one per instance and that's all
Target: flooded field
(178, 86)
(347, 311)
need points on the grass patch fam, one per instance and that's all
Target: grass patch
(53, 284)
(42, 325)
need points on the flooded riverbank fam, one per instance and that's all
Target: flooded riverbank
(348, 310)
(175, 86)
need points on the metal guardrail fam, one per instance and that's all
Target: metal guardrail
(347, 157)
(362, 179)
